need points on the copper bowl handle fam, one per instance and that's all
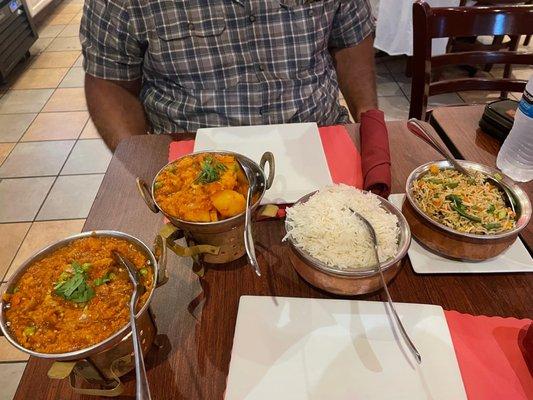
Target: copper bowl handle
(160, 253)
(268, 157)
(146, 195)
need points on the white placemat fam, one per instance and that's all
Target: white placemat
(320, 349)
(515, 259)
(301, 165)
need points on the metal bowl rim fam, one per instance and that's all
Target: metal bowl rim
(81, 353)
(405, 232)
(516, 190)
(210, 224)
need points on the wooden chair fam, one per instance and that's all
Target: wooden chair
(430, 23)
(506, 2)
(497, 42)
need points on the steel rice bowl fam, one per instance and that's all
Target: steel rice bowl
(354, 281)
(451, 243)
(105, 344)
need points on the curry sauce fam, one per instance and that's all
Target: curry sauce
(76, 296)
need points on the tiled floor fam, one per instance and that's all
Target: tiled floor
(52, 159)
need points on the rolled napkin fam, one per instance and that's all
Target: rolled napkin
(375, 153)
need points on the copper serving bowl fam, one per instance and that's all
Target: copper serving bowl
(350, 282)
(452, 244)
(102, 363)
(226, 235)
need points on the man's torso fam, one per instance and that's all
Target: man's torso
(235, 62)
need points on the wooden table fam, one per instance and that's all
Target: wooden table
(197, 318)
(468, 141)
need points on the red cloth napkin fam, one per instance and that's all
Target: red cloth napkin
(375, 153)
(490, 355)
(343, 159)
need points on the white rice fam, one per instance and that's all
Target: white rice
(325, 228)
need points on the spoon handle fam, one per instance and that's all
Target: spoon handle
(142, 387)
(422, 130)
(248, 238)
(397, 319)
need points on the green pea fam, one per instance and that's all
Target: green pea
(29, 330)
(64, 276)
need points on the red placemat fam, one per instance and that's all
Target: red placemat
(343, 159)
(490, 357)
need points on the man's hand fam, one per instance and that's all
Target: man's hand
(356, 76)
(115, 108)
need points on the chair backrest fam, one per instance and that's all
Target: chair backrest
(430, 23)
(494, 2)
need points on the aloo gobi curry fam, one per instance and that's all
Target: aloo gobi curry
(205, 187)
(76, 296)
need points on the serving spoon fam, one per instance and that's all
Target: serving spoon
(373, 237)
(425, 131)
(142, 388)
(248, 237)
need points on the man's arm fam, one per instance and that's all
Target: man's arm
(356, 76)
(115, 108)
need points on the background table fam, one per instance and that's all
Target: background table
(394, 29)
(196, 318)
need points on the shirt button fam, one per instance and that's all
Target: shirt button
(191, 26)
(260, 67)
(251, 18)
(263, 111)
(311, 13)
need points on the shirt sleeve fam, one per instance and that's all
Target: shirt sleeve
(110, 50)
(352, 23)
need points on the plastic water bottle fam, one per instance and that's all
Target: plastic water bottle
(515, 158)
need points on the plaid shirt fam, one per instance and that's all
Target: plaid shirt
(225, 62)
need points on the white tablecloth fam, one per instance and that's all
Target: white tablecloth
(394, 31)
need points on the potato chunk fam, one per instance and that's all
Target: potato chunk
(228, 202)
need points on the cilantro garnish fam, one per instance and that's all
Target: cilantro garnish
(74, 287)
(210, 170)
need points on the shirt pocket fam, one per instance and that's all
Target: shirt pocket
(305, 29)
(194, 50)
